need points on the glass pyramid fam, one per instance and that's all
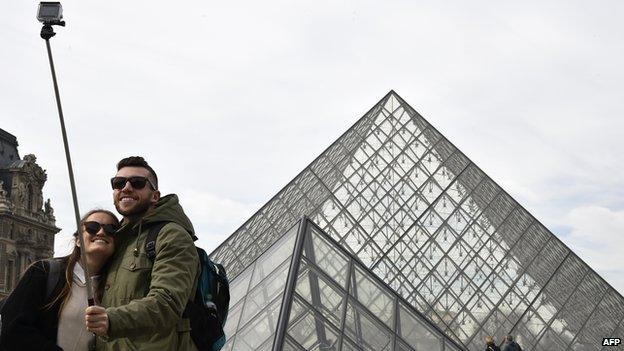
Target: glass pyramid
(306, 292)
(444, 237)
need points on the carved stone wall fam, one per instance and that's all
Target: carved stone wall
(27, 223)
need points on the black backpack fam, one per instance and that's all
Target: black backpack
(208, 311)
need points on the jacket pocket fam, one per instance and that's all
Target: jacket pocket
(135, 276)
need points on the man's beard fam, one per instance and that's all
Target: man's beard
(137, 210)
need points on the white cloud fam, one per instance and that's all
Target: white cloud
(216, 210)
(596, 237)
(214, 217)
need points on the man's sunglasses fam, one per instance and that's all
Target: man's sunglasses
(138, 183)
(93, 228)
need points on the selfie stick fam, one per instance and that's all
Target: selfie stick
(47, 32)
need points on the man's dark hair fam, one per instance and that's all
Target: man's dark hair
(138, 161)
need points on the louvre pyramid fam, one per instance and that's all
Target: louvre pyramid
(405, 204)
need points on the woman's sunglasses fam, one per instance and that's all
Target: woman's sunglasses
(138, 183)
(93, 228)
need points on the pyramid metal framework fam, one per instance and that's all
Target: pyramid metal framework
(306, 292)
(415, 211)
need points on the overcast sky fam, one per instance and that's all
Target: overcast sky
(230, 100)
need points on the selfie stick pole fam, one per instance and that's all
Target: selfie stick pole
(46, 33)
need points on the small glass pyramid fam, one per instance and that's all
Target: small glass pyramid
(306, 292)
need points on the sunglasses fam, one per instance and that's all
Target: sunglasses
(138, 183)
(93, 228)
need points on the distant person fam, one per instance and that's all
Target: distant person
(145, 300)
(510, 344)
(32, 319)
(490, 345)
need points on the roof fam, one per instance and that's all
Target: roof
(8, 148)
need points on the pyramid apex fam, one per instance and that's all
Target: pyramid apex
(394, 93)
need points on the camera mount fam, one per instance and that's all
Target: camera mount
(47, 31)
(50, 14)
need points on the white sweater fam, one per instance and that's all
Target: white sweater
(72, 332)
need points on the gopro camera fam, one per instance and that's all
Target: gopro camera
(50, 13)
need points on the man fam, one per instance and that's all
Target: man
(510, 344)
(144, 299)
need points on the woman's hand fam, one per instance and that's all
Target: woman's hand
(96, 320)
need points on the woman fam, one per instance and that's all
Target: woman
(490, 345)
(32, 321)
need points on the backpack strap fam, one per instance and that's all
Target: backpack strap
(53, 276)
(150, 241)
(150, 251)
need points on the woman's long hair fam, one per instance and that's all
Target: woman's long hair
(73, 258)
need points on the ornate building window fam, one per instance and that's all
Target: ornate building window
(9, 276)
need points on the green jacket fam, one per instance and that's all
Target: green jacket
(144, 300)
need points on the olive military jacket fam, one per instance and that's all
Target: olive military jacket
(144, 299)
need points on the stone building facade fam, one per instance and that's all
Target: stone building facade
(27, 223)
